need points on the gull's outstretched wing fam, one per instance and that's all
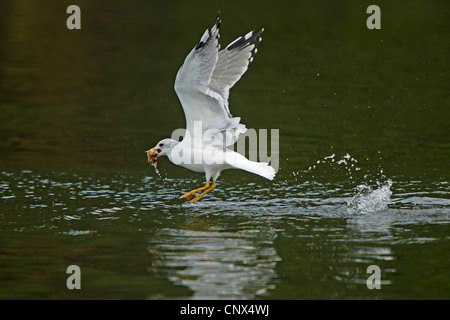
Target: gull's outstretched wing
(205, 78)
(199, 102)
(232, 63)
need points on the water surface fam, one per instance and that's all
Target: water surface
(364, 147)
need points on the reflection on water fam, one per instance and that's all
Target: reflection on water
(237, 247)
(217, 265)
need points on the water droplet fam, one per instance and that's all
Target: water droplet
(156, 170)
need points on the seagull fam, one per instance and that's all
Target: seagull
(202, 85)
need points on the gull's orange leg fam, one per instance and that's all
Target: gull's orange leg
(190, 193)
(201, 195)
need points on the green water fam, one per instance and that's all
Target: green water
(355, 107)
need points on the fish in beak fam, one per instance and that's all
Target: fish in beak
(152, 155)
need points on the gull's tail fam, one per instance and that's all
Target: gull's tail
(262, 169)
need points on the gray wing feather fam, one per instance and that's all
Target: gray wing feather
(233, 62)
(206, 76)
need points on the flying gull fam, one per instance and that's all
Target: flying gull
(202, 85)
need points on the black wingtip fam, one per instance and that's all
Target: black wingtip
(218, 21)
(252, 38)
(201, 44)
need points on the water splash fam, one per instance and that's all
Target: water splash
(347, 161)
(368, 200)
(156, 169)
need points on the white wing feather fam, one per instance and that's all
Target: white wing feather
(203, 82)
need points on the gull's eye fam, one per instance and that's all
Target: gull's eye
(161, 144)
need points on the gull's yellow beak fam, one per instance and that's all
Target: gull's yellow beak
(152, 155)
